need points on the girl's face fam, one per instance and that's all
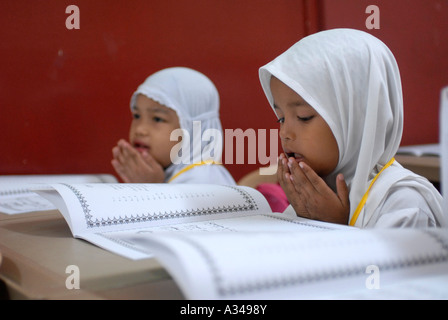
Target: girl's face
(151, 128)
(304, 134)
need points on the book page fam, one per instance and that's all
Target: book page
(109, 215)
(126, 243)
(295, 265)
(425, 287)
(16, 196)
(432, 149)
(23, 202)
(96, 208)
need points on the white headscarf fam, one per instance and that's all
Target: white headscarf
(195, 99)
(352, 80)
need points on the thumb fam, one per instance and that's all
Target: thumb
(342, 190)
(149, 159)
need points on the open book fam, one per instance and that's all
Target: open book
(16, 196)
(109, 215)
(342, 264)
(420, 150)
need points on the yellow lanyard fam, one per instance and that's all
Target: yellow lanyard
(191, 166)
(364, 197)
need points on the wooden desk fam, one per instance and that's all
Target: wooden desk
(36, 249)
(428, 167)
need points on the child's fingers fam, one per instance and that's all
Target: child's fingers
(121, 171)
(313, 179)
(280, 169)
(283, 171)
(342, 190)
(119, 151)
(151, 161)
(299, 180)
(117, 166)
(117, 154)
(284, 177)
(129, 154)
(127, 150)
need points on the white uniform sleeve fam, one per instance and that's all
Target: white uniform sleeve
(403, 207)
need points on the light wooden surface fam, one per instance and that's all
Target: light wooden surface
(37, 248)
(428, 167)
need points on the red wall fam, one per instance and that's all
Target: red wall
(64, 94)
(417, 32)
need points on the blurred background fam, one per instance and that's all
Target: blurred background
(64, 94)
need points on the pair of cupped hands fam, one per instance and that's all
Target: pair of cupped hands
(309, 195)
(135, 167)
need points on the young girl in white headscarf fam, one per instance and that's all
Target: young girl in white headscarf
(175, 134)
(338, 98)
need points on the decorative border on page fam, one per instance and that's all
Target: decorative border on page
(13, 192)
(249, 205)
(308, 225)
(111, 236)
(298, 279)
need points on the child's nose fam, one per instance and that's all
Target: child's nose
(286, 131)
(141, 129)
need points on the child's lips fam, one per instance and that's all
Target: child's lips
(297, 156)
(141, 147)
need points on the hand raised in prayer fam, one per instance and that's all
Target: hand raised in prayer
(310, 196)
(135, 167)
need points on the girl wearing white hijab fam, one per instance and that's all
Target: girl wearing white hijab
(338, 97)
(171, 104)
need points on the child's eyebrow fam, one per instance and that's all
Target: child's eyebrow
(299, 104)
(294, 104)
(159, 109)
(153, 109)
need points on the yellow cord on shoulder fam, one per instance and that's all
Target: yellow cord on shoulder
(364, 197)
(191, 166)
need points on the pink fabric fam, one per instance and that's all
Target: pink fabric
(275, 196)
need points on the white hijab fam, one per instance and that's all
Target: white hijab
(195, 99)
(352, 80)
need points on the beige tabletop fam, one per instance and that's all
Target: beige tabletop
(426, 166)
(37, 250)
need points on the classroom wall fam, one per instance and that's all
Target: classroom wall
(64, 94)
(416, 31)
